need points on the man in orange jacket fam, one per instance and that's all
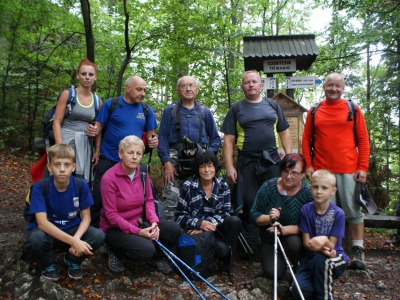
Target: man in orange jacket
(335, 149)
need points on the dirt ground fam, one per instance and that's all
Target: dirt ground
(383, 261)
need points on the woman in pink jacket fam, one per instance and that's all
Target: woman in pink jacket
(123, 206)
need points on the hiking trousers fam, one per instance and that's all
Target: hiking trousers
(41, 245)
(315, 275)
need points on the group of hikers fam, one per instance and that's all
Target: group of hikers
(269, 193)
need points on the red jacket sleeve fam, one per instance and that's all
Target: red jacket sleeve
(363, 141)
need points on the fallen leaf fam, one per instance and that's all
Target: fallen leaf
(94, 295)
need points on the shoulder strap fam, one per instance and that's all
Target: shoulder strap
(174, 108)
(201, 114)
(114, 104)
(176, 113)
(145, 108)
(352, 117)
(71, 101)
(44, 186)
(143, 174)
(78, 184)
(313, 111)
(96, 103)
(273, 104)
(235, 111)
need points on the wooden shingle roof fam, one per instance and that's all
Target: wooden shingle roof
(256, 49)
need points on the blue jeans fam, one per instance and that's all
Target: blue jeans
(315, 275)
(41, 245)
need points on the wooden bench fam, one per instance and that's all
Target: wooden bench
(372, 221)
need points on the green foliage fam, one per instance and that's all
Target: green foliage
(42, 43)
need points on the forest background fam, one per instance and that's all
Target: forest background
(42, 42)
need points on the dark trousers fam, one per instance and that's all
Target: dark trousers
(137, 248)
(230, 229)
(247, 187)
(294, 250)
(41, 245)
(315, 276)
(102, 167)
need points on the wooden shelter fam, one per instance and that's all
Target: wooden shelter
(294, 115)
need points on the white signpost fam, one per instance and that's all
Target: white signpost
(269, 83)
(298, 82)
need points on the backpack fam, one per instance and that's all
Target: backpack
(351, 117)
(197, 252)
(44, 186)
(144, 170)
(187, 146)
(176, 113)
(48, 118)
(145, 107)
(236, 109)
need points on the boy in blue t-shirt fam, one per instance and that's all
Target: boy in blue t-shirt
(322, 226)
(62, 218)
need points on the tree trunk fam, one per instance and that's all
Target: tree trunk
(85, 5)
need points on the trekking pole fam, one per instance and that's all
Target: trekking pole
(275, 257)
(244, 243)
(231, 256)
(290, 269)
(183, 274)
(190, 269)
(275, 263)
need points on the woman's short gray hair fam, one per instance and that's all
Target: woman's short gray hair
(129, 141)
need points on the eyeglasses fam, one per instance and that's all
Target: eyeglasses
(186, 85)
(294, 174)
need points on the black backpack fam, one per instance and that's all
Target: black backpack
(144, 169)
(113, 106)
(44, 186)
(48, 118)
(197, 252)
(351, 117)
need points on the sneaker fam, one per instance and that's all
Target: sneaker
(74, 270)
(357, 258)
(114, 263)
(394, 241)
(160, 265)
(51, 273)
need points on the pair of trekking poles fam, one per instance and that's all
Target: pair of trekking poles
(277, 242)
(172, 257)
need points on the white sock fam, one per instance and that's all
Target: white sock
(359, 243)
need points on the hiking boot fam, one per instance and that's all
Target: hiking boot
(357, 258)
(114, 263)
(160, 265)
(74, 270)
(50, 272)
(394, 241)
